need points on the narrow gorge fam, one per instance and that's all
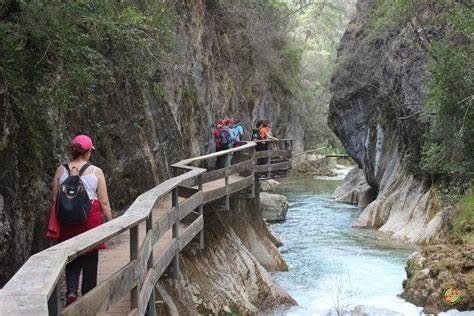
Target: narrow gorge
(383, 86)
(400, 118)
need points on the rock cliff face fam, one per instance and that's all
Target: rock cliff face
(230, 274)
(141, 129)
(378, 96)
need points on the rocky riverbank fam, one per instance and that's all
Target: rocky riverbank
(312, 165)
(437, 268)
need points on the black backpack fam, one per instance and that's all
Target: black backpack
(73, 203)
(255, 134)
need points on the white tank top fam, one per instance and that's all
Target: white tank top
(90, 182)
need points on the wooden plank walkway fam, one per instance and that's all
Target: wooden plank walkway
(117, 253)
(143, 242)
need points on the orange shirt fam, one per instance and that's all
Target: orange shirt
(264, 132)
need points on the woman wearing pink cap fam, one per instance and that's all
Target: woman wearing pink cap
(93, 180)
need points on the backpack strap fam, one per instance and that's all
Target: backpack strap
(66, 166)
(86, 165)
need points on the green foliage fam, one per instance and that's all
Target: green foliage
(317, 31)
(444, 29)
(450, 140)
(285, 76)
(69, 57)
(67, 49)
(464, 218)
(393, 13)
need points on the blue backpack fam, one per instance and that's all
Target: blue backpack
(234, 134)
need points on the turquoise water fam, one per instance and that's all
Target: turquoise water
(332, 264)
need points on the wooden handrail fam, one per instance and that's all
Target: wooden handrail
(33, 290)
(184, 163)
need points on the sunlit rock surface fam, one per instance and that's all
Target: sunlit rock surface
(274, 206)
(354, 189)
(268, 185)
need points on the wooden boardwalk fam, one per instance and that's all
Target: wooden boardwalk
(143, 243)
(117, 253)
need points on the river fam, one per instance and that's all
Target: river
(332, 264)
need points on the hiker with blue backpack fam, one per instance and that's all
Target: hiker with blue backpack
(238, 129)
(79, 203)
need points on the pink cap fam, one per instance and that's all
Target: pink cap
(83, 140)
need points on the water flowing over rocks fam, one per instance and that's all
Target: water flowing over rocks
(230, 274)
(274, 206)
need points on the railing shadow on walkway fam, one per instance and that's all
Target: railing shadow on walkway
(161, 222)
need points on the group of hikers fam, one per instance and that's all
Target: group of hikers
(79, 199)
(229, 132)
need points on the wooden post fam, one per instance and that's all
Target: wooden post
(175, 231)
(254, 162)
(228, 158)
(54, 302)
(290, 156)
(201, 212)
(150, 311)
(269, 161)
(133, 256)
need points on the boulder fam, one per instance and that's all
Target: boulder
(273, 207)
(268, 185)
(354, 189)
(312, 165)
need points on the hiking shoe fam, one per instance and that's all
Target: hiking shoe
(71, 297)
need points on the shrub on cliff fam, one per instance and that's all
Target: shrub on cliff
(68, 57)
(450, 140)
(444, 29)
(61, 55)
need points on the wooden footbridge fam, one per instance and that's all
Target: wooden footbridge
(143, 243)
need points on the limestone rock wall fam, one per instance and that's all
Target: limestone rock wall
(377, 90)
(140, 130)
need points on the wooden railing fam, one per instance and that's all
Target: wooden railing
(34, 289)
